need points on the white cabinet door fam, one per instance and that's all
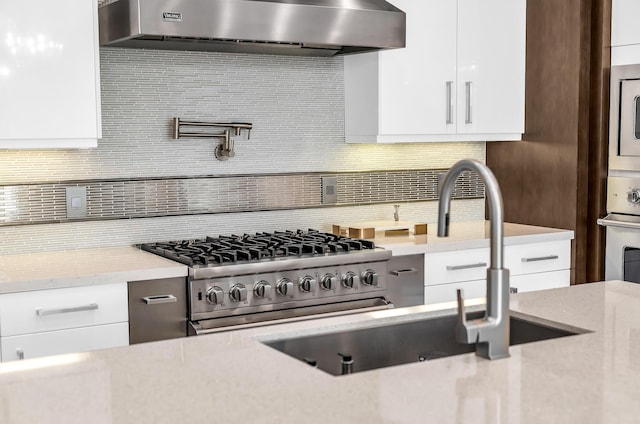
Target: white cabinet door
(625, 33)
(418, 82)
(540, 281)
(64, 341)
(49, 76)
(624, 22)
(448, 292)
(56, 309)
(491, 67)
(459, 78)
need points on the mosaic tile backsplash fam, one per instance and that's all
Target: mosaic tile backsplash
(46, 203)
(296, 107)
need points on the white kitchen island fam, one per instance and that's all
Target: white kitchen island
(233, 378)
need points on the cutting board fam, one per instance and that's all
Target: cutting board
(368, 229)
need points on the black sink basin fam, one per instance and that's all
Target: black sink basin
(395, 344)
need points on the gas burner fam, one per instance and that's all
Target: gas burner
(247, 248)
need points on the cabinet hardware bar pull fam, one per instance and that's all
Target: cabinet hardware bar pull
(163, 298)
(540, 258)
(404, 271)
(467, 266)
(449, 103)
(54, 311)
(467, 114)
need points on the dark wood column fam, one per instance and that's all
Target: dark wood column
(556, 176)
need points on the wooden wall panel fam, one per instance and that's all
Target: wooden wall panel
(546, 179)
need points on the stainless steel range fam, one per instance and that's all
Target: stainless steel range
(254, 279)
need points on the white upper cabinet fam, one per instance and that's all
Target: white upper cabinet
(49, 74)
(460, 78)
(625, 32)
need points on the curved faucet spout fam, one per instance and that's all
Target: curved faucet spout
(493, 197)
(491, 333)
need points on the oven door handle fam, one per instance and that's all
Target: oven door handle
(608, 222)
(197, 329)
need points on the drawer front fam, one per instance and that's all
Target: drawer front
(541, 281)
(538, 257)
(157, 310)
(56, 309)
(447, 292)
(64, 341)
(405, 282)
(456, 266)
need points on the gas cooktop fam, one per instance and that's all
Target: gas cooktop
(258, 247)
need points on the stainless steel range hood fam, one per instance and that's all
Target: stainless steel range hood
(290, 27)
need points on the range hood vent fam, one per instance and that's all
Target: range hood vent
(289, 27)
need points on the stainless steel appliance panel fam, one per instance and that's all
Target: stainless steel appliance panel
(623, 195)
(624, 126)
(157, 309)
(629, 144)
(405, 282)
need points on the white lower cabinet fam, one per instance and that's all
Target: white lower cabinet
(64, 341)
(46, 322)
(534, 266)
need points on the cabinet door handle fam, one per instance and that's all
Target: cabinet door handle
(163, 298)
(467, 113)
(404, 271)
(540, 258)
(466, 266)
(449, 104)
(54, 311)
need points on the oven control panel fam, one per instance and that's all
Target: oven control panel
(242, 294)
(623, 195)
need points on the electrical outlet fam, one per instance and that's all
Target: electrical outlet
(76, 202)
(329, 190)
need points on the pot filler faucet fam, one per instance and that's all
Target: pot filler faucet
(490, 333)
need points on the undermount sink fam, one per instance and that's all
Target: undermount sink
(396, 344)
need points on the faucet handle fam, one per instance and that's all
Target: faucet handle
(462, 316)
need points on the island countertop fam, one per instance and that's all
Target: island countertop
(469, 235)
(232, 377)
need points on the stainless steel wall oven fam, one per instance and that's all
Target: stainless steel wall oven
(622, 256)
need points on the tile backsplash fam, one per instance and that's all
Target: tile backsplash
(296, 107)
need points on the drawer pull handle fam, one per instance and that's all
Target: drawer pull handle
(163, 298)
(54, 311)
(467, 266)
(404, 271)
(540, 258)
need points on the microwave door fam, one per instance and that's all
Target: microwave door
(630, 118)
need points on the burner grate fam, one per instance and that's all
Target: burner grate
(247, 248)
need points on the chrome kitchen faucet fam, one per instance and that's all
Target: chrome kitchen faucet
(490, 333)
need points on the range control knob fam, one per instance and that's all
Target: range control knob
(349, 279)
(262, 289)
(307, 284)
(369, 278)
(215, 295)
(238, 293)
(328, 281)
(284, 286)
(634, 196)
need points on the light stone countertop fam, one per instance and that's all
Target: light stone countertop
(468, 235)
(73, 268)
(232, 377)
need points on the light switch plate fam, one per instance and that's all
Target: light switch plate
(76, 202)
(329, 190)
